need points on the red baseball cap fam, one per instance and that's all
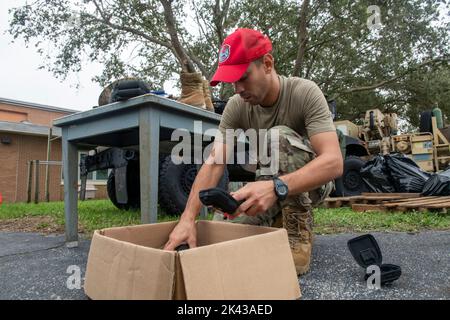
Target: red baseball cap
(238, 50)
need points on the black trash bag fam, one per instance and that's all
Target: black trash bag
(438, 184)
(406, 174)
(376, 175)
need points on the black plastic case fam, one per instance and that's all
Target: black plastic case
(366, 252)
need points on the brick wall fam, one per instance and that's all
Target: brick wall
(14, 160)
(14, 157)
(8, 169)
(14, 113)
(12, 116)
(35, 148)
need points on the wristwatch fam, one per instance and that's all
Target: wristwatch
(281, 189)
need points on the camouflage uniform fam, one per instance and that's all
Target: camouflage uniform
(295, 212)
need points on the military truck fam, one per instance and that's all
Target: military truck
(378, 134)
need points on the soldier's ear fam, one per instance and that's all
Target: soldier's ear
(268, 62)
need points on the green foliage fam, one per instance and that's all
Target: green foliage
(427, 90)
(400, 65)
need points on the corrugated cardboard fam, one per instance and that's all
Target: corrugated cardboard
(232, 261)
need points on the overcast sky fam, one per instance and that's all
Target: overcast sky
(20, 78)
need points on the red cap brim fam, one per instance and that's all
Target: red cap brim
(229, 73)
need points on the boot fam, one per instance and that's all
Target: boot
(192, 89)
(207, 96)
(105, 95)
(299, 229)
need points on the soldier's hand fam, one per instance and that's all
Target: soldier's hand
(259, 197)
(184, 231)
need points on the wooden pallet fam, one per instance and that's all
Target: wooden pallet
(367, 198)
(391, 202)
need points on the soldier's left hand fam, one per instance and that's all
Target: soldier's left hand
(259, 197)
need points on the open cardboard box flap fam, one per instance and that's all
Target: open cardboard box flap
(232, 261)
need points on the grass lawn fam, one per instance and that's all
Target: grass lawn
(98, 214)
(346, 220)
(92, 215)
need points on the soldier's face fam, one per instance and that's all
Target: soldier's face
(253, 85)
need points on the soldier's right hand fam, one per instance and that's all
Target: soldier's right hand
(184, 231)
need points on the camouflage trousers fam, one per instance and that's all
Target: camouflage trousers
(294, 152)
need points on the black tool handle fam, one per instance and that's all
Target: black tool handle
(219, 199)
(183, 246)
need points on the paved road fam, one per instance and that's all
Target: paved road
(33, 266)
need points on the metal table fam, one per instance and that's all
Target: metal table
(138, 121)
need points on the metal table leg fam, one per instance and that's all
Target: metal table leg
(70, 162)
(149, 125)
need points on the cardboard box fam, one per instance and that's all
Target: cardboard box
(232, 261)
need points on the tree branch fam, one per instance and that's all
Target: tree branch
(219, 18)
(195, 59)
(106, 20)
(394, 100)
(197, 18)
(303, 38)
(320, 43)
(186, 64)
(385, 82)
(218, 23)
(191, 55)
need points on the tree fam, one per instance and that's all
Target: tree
(427, 90)
(361, 55)
(129, 37)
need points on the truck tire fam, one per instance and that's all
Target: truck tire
(425, 122)
(175, 183)
(350, 184)
(134, 196)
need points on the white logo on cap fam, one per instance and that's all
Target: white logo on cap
(224, 53)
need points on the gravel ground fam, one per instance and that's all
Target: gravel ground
(33, 266)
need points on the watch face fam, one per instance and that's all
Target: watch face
(282, 190)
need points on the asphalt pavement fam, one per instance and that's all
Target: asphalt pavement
(34, 266)
(424, 259)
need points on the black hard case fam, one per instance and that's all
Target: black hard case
(366, 252)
